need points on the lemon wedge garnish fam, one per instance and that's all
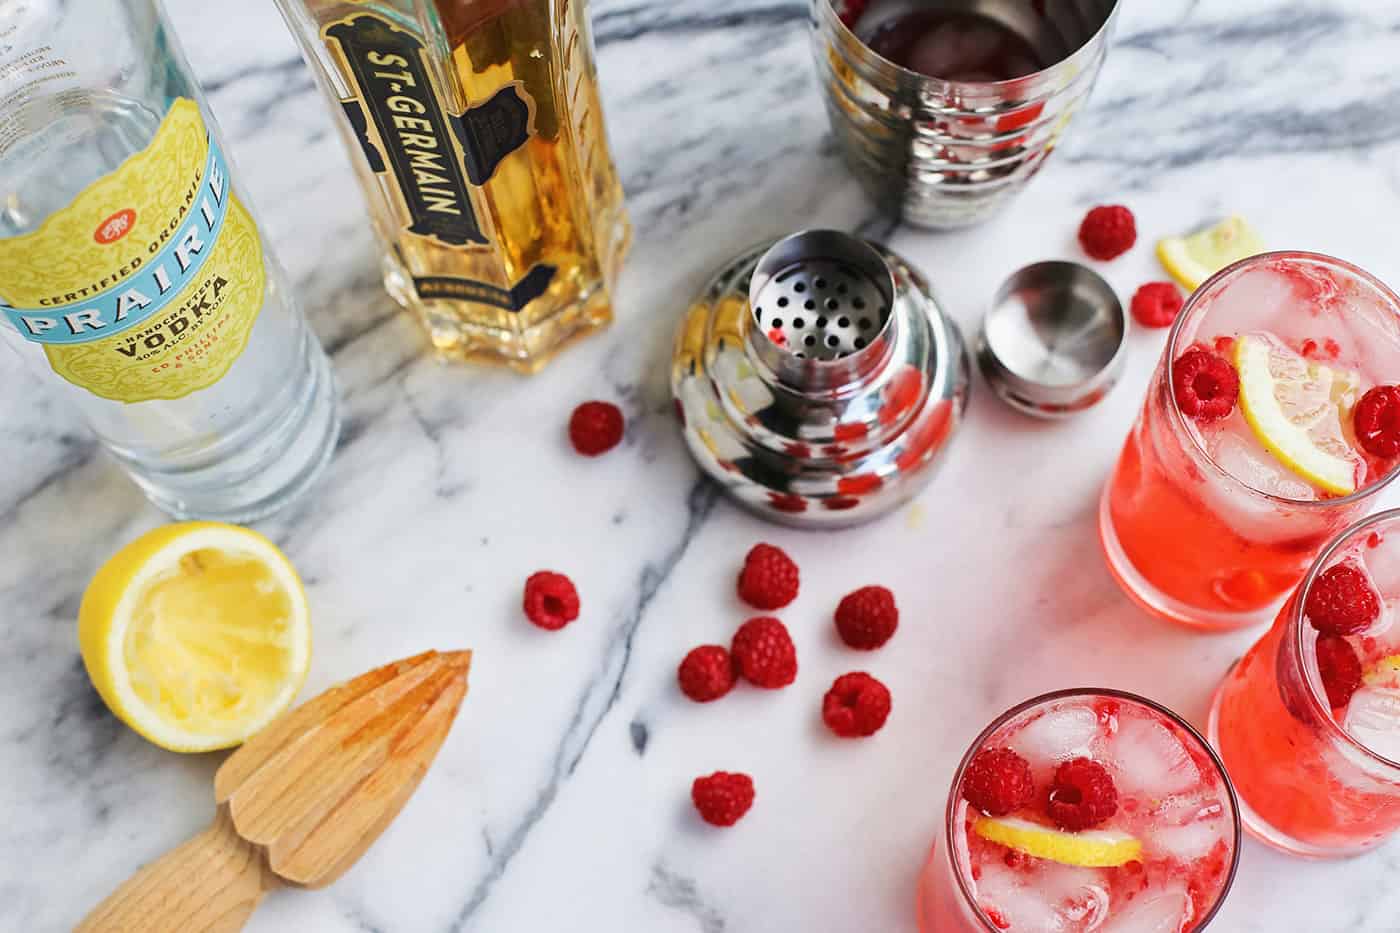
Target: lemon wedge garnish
(1101, 848)
(1289, 405)
(1193, 259)
(1385, 671)
(196, 635)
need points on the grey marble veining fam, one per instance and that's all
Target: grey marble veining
(560, 802)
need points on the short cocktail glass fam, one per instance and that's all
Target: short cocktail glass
(1174, 799)
(1200, 522)
(1314, 780)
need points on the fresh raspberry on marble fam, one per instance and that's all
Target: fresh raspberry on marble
(707, 673)
(769, 579)
(1339, 667)
(1376, 420)
(722, 798)
(1108, 231)
(1206, 386)
(998, 781)
(596, 428)
(764, 653)
(551, 601)
(867, 618)
(856, 706)
(1082, 795)
(1342, 601)
(1156, 304)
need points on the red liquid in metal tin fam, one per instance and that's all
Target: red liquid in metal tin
(955, 46)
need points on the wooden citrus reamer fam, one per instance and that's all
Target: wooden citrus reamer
(300, 802)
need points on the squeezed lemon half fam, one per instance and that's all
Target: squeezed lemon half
(196, 635)
(1196, 257)
(1089, 849)
(1290, 404)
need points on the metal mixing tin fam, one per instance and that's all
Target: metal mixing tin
(818, 380)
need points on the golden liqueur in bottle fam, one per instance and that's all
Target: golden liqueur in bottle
(477, 132)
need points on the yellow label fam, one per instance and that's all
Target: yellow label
(149, 283)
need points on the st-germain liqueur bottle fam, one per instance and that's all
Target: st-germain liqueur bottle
(477, 132)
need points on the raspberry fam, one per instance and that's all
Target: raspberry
(998, 781)
(722, 798)
(764, 653)
(1206, 387)
(1108, 231)
(1340, 668)
(551, 602)
(1082, 795)
(707, 673)
(857, 705)
(1156, 304)
(1342, 601)
(595, 428)
(769, 579)
(867, 618)
(1377, 421)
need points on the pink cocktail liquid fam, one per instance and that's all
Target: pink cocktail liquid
(1312, 780)
(1173, 797)
(1199, 522)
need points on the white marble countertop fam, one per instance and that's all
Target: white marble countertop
(560, 801)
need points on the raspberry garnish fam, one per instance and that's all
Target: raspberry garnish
(769, 579)
(764, 653)
(1206, 387)
(1342, 601)
(867, 618)
(1082, 795)
(1340, 669)
(551, 602)
(857, 705)
(1156, 304)
(595, 428)
(998, 781)
(1108, 231)
(1377, 421)
(723, 797)
(707, 673)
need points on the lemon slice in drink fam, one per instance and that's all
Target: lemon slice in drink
(1386, 672)
(1104, 848)
(1196, 257)
(196, 635)
(1288, 403)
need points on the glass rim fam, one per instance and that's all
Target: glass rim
(829, 13)
(1308, 661)
(1065, 693)
(1170, 354)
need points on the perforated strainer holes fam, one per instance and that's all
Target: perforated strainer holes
(838, 305)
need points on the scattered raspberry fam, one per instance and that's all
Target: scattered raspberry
(1156, 304)
(707, 673)
(1340, 668)
(867, 618)
(1206, 386)
(1377, 421)
(857, 705)
(1108, 231)
(723, 797)
(998, 781)
(595, 428)
(1082, 795)
(1342, 601)
(764, 653)
(551, 602)
(769, 579)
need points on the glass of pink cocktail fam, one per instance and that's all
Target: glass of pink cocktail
(1309, 720)
(1083, 810)
(1270, 423)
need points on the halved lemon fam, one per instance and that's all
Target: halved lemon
(196, 634)
(1194, 258)
(1099, 848)
(1289, 405)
